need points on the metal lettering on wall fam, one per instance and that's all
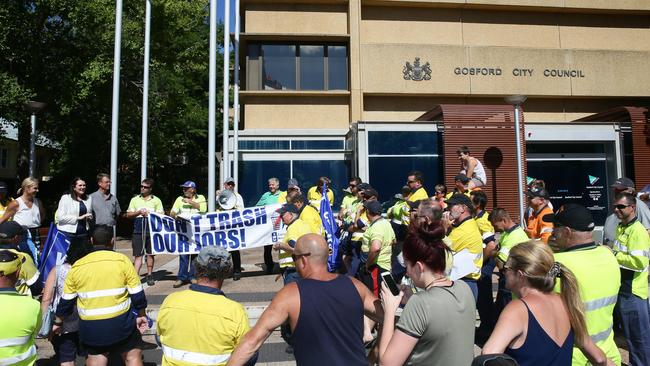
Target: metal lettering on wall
(517, 72)
(417, 71)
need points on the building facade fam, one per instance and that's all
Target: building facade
(360, 87)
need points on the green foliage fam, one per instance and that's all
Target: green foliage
(61, 52)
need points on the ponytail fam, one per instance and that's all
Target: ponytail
(570, 294)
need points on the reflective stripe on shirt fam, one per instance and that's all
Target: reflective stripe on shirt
(194, 357)
(285, 260)
(31, 352)
(601, 336)
(18, 341)
(134, 290)
(600, 303)
(101, 293)
(103, 311)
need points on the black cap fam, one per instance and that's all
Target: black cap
(10, 229)
(462, 178)
(573, 215)
(459, 199)
(413, 205)
(288, 207)
(370, 192)
(623, 183)
(374, 207)
(363, 186)
(538, 192)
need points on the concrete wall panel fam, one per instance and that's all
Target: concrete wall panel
(296, 112)
(296, 19)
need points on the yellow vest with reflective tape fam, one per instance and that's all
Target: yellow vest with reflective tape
(599, 278)
(632, 245)
(105, 296)
(297, 229)
(198, 328)
(20, 320)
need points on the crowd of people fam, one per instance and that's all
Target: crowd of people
(396, 299)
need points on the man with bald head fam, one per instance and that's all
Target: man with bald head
(329, 330)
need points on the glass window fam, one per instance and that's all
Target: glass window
(253, 51)
(388, 174)
(402, 142)
(307, 172)
(264, 145)
(279, 67)
(312, 67)
(317, 145)
(254, 176)
(337, 68)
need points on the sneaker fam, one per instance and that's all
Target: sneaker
(180, 283)
(150, 280)
(236, 276)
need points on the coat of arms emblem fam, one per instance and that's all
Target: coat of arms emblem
(417, 71)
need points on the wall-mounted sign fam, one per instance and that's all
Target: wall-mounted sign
(417, 71)
(519, 72)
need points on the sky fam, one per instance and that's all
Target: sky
(220, 12)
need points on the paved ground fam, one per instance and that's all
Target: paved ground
(255, 290)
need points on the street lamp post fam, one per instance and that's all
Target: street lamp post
(34, 107)
(516, 101)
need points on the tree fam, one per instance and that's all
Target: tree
(61, 52)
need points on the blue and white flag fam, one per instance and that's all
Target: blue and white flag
(327, 217)
(54, 251)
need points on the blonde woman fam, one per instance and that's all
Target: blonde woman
(27, 210)
(540, 327)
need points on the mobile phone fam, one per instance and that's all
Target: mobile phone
(390, 282)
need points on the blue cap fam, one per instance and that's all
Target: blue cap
(189, 184)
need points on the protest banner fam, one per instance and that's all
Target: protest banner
(251, 227)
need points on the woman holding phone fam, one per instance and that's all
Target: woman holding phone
(437, 324)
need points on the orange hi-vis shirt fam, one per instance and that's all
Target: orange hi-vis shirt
(538, 229)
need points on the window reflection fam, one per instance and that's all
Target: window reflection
(307, 173)
(254, 176)
(388, 174)
(297, 67)
(402, 142)
(337, 66)
(312, 67)
(279, 67)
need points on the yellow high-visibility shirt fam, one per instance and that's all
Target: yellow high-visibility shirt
(200, 326)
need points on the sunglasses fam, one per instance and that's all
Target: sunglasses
(411, 181)
(352, 185)
(145, 187)
(295, 256)
(621, 206)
